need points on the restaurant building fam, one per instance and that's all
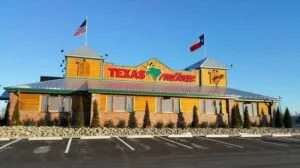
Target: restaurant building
(120, 90)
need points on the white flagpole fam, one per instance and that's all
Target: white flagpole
(86, 31)
(204, 46)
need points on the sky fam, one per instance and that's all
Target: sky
(260, 38)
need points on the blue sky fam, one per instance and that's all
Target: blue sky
(259, 37)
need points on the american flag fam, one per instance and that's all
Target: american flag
(81, 29)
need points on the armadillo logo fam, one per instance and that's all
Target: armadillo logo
(152, 70)
(157, 74)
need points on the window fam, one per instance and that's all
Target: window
(241, 108)
(129, 103)
(167, 105)
(217, 106)
(44, 106)
(158, 104)
(119, 104)
(56, 103)
(250, 109)
(83, 68)
(202, 105)
(109, 104)
(209, 107)
(176, 105)
(254, 107)
(66, 104)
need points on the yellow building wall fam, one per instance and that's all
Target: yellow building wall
(73, 68)
(102, 103)
(29, 102)
(209, 77)
(149, 78)
(224, 106)
(140, 103)
(187, 104)
(262, 107)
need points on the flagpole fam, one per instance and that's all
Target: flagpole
(86, 31)
(204, 46)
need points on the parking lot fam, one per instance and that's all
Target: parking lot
(152, 152)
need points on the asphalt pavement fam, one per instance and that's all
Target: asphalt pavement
(165, 152)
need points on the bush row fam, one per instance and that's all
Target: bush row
(236, 120)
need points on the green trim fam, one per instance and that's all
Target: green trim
(128, 92)
(30, 90)
(254, 99)
(87, 78)
(214, 68)
(84, 57)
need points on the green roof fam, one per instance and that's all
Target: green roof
(70, 86)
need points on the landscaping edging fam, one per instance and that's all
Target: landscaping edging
(31, 131)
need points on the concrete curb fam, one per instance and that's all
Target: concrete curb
(140, 136)
(95, 137)
(281, 135)
(44, 138)
(4, 139)
(180, 136)
(217, 136)
(251, 136)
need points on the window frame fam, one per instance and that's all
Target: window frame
(112, 98)
(61, 109)
(213, 107)
(172, 102)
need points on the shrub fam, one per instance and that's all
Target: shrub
(29, 122)
(264, 120)
(55, 122)
(41, 122)
(146, 121)
(5, 119)
(79, 117)
(254, 124)
(170, 124)
(213, 125)
(16, 115)
(64, 121)
(181, 121)
(287, 119)
(159, 124)
(236, 119)
(95, 120)
(221, 108)
(109, 124)
(121, 124)
(195, 122)
(203, 124)
(220, 122)
(278, 119)
(132, 123)
(246, 118)
(48, 119)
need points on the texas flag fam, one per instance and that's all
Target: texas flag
(198, 44)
